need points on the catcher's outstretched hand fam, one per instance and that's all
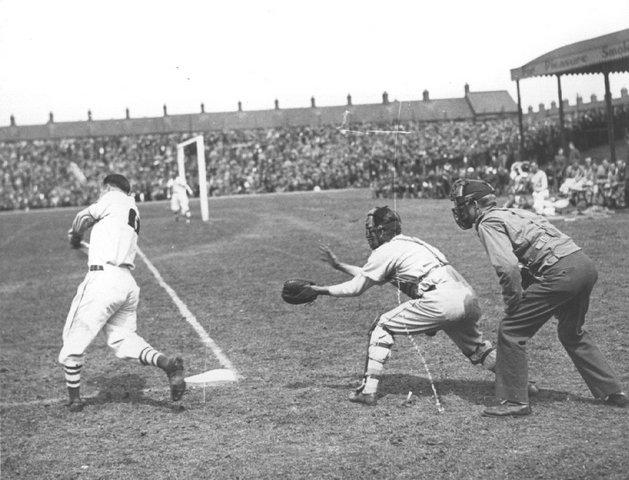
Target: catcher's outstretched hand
(75, 239)
(328, 256)
(298, 291)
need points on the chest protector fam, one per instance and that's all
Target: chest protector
(536, 242)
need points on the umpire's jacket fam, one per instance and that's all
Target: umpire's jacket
(513, 236)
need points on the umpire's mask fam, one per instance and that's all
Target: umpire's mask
(465, 195)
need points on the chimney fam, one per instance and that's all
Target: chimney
(349, 100)
(530, 108)
(165, 110)
(593, 98)
(51, 118)
(89, 115)
(467, 89)
(202, 107)
(312, 102)
(277, 104)
(126, 113)
(542, 107)
(239, 106)
(553, 105)
(425, 96)
(385, 98)
(579, 100)
(12, 121)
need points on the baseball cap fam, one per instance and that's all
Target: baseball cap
(119, 181)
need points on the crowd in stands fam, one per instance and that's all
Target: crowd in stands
(420, 161)
(587, 181)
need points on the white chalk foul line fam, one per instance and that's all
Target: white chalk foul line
(189, 317)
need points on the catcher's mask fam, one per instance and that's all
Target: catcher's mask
(382, 224)
(470, 197)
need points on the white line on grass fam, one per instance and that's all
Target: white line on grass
(189, 317)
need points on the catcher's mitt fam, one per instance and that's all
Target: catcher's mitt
(298, 291)
(75, 239)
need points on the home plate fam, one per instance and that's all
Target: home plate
(211, 377)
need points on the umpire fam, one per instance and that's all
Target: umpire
(561, 280)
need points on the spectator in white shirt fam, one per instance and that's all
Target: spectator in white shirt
(539, 182)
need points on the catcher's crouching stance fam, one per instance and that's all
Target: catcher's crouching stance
(441, 299)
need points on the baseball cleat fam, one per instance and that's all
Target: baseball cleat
(75, 404)
(617, 400)
(176, 378)
(533, 389)
(489, 360)
(368, 399)
(484, 355)
(507, 409)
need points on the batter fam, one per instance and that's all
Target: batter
(106, 301)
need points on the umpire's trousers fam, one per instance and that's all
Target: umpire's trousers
(563, 291)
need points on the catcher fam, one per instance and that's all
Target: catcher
(440, 298)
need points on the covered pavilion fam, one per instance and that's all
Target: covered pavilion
(606, 54)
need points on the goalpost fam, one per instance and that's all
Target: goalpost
(205, 214)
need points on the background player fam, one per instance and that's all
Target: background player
(178, 191)
(107, 300)
(562, 281)
(441, 299)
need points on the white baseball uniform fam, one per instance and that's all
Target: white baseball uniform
(443, 300)
(179, 195)
(539, 181)
(107, 299)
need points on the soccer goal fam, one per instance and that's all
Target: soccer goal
(181, 163)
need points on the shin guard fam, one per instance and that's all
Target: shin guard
(380, 344)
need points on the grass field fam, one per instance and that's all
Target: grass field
(289, 417)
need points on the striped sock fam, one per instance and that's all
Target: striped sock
(73, 375)
(149, 356)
